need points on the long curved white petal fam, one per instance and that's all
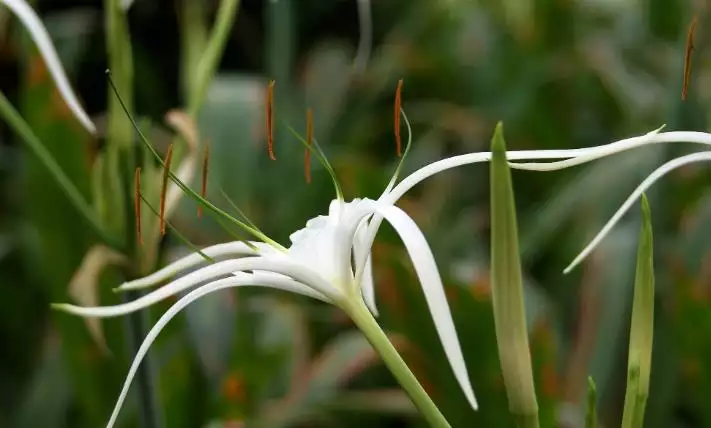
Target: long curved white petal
(429, 170)
(208, 273)
(241, 280)
(646, 184)
(573, 156)
(363, 261)
(39, 34)
(617, 147)
(391, 195)
(426, 269)
(230, 249)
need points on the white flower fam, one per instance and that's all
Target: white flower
(317, 264)
(328, 260)
(39, 34)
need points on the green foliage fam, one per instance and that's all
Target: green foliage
(561, 74)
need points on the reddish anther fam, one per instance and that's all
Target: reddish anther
(687, 57)
(164, 188)
(203, 187)
(398, 106)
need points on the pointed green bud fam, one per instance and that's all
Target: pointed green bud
(507, 290)
(642, 327)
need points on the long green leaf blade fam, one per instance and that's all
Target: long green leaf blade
(507, 291)
(642, 327)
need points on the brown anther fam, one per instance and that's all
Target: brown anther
(164, 188)
(270, 119)
(687, 57)
(137, 204)
(309, 141)
(398, 106)
(203, 187)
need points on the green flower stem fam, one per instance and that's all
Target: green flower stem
(377, 338)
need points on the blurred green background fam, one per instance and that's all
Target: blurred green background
(559, 73)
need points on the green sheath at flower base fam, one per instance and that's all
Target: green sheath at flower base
(507, 291)
(641, 329)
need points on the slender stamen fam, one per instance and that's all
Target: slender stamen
(270, 119)
(398, 107)
(203, 187)
(137, 204)
(164, 188)
(309, 141)
(687, 57)
(184, 187)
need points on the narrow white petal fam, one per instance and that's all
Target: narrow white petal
(646, 184)
(242, 280)
(39, 34)
(230, 249)
(426, 269)
(208, 273)
(455, 161)
(581, 155)
(598, 152)
(363, 261)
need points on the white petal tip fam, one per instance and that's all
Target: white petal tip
(472, 401)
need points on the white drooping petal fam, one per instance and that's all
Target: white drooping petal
(426, 269)
(646, 184)
(597, 152)
(318, 288)
(236, 281)
(230, 249)
(364, 267)
(39, 34)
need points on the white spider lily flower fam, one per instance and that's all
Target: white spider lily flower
(317, 264)
(593, 153)
(39, 35)
(329, 260)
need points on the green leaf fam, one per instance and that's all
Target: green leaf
(642, 328)
(23, 130)
(507, 290)
(591, 416)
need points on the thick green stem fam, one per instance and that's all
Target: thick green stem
(377, 338)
